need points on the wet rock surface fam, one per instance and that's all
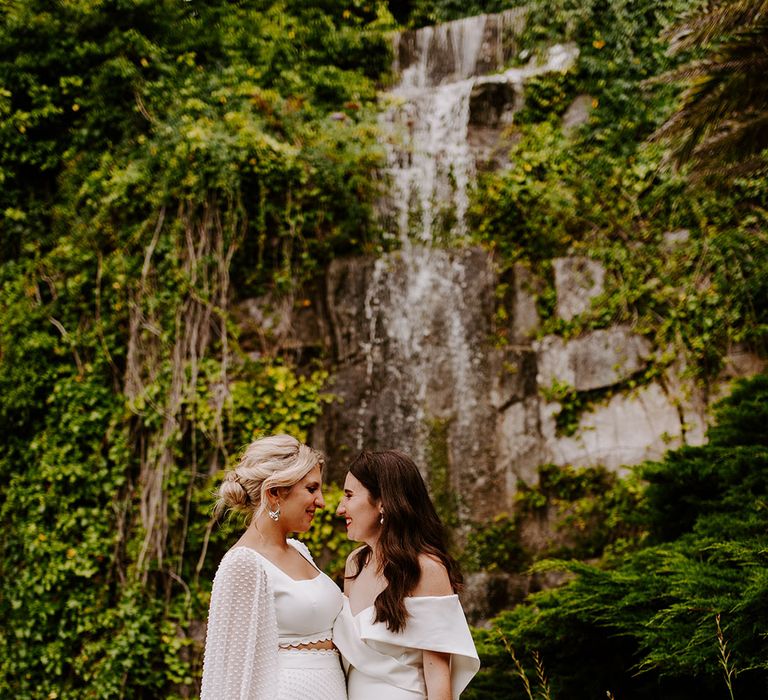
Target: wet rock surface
(595, 360)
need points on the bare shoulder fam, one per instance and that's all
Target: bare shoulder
(434, 577)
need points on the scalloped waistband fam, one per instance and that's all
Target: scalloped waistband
(309, 658)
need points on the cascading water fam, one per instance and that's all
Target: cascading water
(427, 328)
(430, 160)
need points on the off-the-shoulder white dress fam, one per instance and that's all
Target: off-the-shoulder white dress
(382, 665)
(258, 616)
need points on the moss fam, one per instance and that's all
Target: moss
(439, 472)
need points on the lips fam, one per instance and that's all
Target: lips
(348, 521)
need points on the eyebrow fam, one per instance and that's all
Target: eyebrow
(316, 484)
(348, 492)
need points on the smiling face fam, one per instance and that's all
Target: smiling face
(361, 513)
(298, 505)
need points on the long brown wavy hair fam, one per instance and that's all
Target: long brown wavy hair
(411, 527)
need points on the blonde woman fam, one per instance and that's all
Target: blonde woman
(272, 610)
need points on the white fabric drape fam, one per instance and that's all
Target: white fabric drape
(241, 642)
(435, 623)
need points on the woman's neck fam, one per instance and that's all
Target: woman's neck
(267, 533)
(375, 558)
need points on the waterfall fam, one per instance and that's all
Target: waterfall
(430, 161)
(426, 326)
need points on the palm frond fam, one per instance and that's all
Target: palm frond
(714, 170)
(735, 138)
(719, 19)
(723, 111)
(713, 97)
(757, 65)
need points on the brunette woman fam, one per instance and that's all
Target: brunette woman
(402, 632)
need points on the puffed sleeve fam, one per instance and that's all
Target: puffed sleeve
(241, 642)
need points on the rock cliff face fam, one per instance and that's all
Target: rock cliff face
(416, 369)
(409, 340)
(411, 337)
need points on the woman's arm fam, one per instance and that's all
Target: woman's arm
(434, 581)
(437, 675)
(241, 640)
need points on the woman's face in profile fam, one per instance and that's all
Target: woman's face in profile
(298, 507)
(360, 512)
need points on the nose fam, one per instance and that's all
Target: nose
(341, 509)
(320, 501)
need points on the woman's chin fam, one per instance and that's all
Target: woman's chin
(303, 526)
(353, 535)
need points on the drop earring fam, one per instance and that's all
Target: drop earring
(381, 519)
(274, 514)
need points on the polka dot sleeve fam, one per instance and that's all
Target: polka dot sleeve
(241, 642)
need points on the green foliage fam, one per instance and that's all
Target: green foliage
(526, 212)
(581, 512)
(644, 621)
(417, 13)
(438, 473)
(494, 547)
(158, 162)
(572, 405)
(589, 509)
(158, 82)
(742, 419)
(603, 193)
(264, 397)
(547, 96)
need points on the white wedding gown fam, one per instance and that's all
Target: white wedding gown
(382, 665)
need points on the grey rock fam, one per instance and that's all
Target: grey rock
(675, 239)
(515, 375)
(520, 445)
(577, 282)
(595, 360)
(525, 315)
(577, 114)
(486, 594)
(742, 362)
(346, 285)
(282, 323)
(491, 104)
(628, 429)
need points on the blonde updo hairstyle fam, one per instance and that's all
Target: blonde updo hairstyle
(277, 461)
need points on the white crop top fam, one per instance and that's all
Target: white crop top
(305, 609)
(255, 609)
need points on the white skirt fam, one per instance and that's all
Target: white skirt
(310, 673)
